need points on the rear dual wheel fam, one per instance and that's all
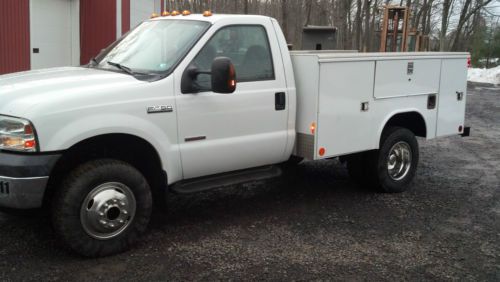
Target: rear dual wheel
(391, 168)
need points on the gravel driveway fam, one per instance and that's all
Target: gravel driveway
(446, 227)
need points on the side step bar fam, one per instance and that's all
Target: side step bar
(225, 179)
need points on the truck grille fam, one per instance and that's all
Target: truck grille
(4, 188)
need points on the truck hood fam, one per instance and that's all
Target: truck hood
(20, 92)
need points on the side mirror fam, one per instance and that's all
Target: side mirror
(223, 76)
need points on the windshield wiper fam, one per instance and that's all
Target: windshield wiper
(122, 67)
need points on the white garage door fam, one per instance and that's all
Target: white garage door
(54, 33)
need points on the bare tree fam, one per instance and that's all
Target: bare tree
(444, 24)
(343, 10)
(308, 11)
(357, 23)
(284, 18)
(465, 15)
(366, 14)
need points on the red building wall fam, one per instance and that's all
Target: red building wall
(14, 36)
(97, 30)
(125, 16)
(97, 27)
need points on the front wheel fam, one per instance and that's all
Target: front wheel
(102, 207)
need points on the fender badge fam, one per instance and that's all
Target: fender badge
(160, 109)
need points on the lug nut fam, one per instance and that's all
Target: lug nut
(103, 222)
(122, 203)
(101, 214)
(125, 212)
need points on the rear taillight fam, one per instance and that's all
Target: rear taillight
(468, 62)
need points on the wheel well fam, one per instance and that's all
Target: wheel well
(128, 148)
(410, 120)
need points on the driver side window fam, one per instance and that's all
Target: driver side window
(248, 48)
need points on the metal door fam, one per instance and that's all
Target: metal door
(452, 96)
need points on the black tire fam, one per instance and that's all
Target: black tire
(291, 169)
(356, 166)
(370, 169)
(67, 207)
(21, 213)
(377, 170)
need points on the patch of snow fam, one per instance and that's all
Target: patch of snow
(491, 76)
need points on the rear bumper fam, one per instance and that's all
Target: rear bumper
(23, 179)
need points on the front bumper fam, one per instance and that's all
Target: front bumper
(23, 179)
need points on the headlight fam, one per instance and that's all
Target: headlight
(17, 134)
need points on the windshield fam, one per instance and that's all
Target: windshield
(154, 47)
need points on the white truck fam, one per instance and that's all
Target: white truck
(193, 102)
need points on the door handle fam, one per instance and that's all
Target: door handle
(280, 101)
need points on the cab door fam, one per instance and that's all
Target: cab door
(247, 128)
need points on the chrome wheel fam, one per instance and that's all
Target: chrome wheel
(399, 160)
(108, 210)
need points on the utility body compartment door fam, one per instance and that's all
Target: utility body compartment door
(399, 78)
(343, 126)
(452, 96)
(407, 77)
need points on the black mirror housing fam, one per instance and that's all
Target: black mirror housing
(223, 76)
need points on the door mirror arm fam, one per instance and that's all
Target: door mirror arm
(188, 82)
(193, 72)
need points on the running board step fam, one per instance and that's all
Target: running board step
(225, 179)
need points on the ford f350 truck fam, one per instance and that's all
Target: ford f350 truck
(193, 102)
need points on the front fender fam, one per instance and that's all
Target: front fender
(160, 133)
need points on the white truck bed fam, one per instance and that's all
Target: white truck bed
(331, 87)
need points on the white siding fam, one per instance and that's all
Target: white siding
(141, 10)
